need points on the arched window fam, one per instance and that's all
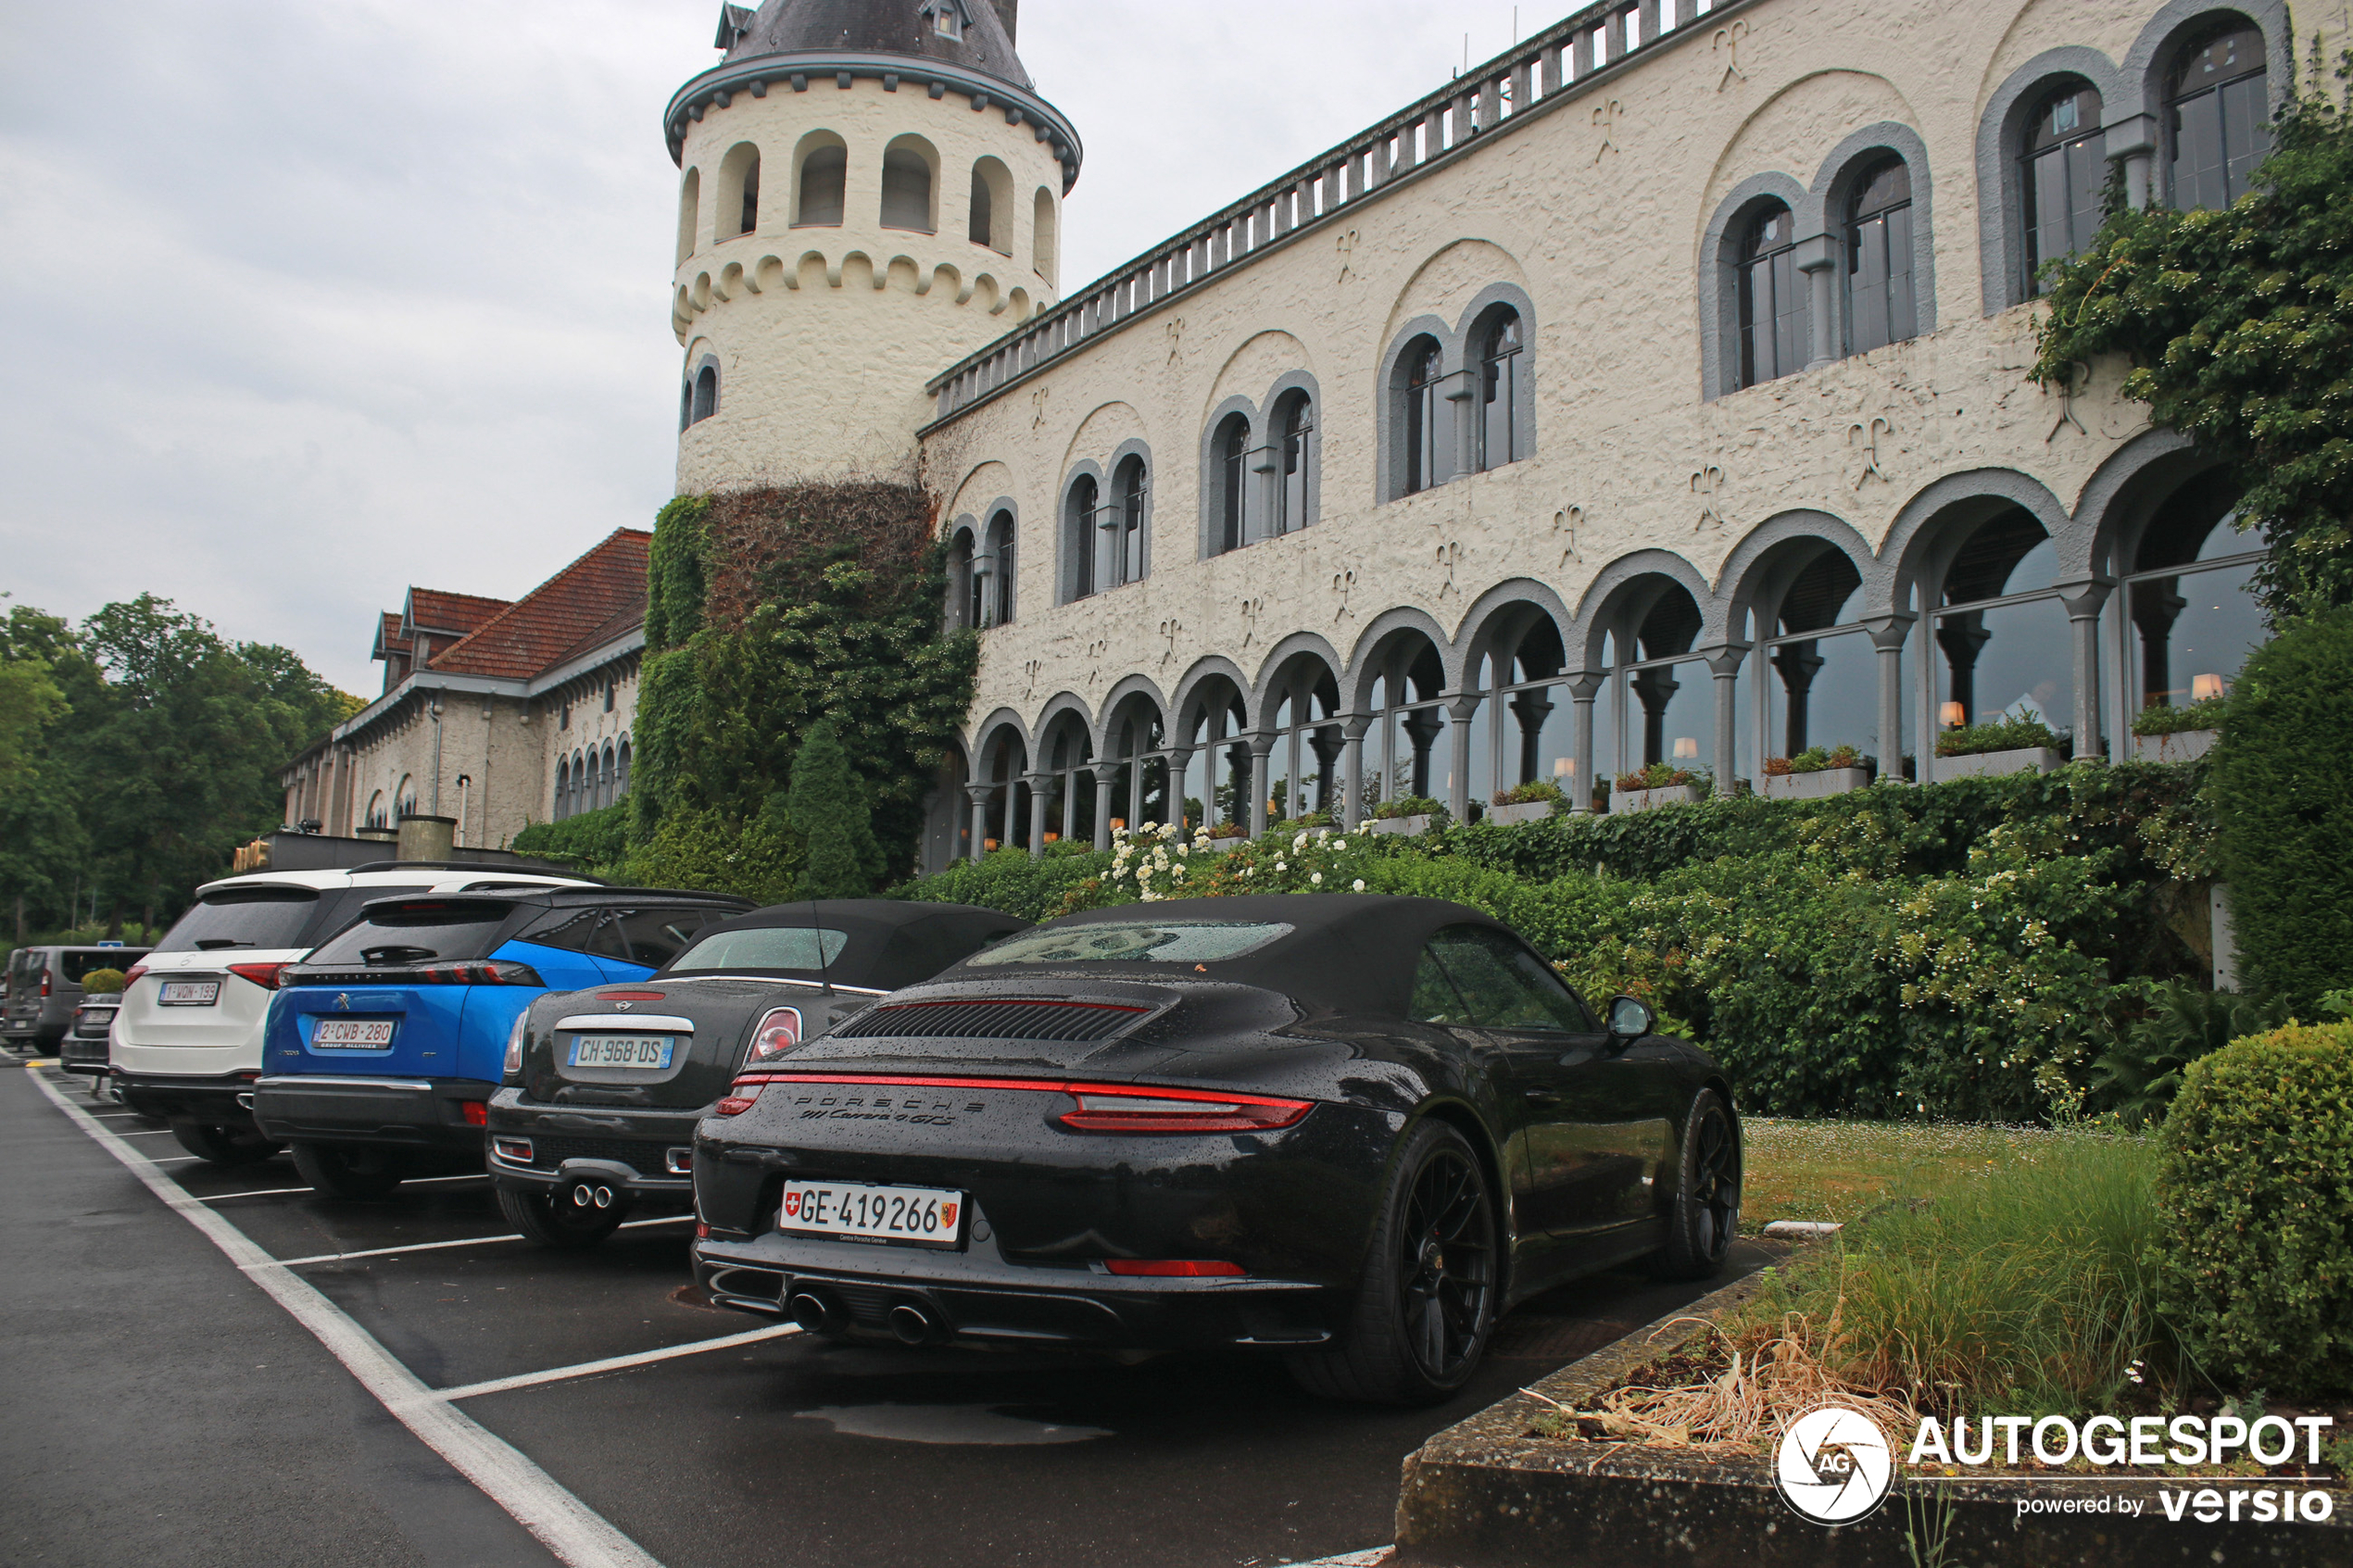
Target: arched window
(966, 582)
(1401, 751)
(1422, 376)
(1294, 432)
(689, 213)
(1044, 238)
(2216, 118)
(2192, 615)
(1499, 390)
(2064, 178)
(992, 206)
(563, 784)
(1772, 298)
(738, 196)
(1231, 456)
(1819, 679)
(580, 798)
(376, 818)
(1123, 541)
(906, 187)
(2004, 637)
(1671, 718)
(1079, 534)
(605, 779)
(994, 567)
(824, 176)
(404, 800)
(1880, 301)
(621, 773)
(704, 401)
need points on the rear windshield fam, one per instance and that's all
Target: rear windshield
(784, 946)
(1140, 942)
(418, 933)
(255, 917)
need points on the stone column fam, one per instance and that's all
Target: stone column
(1461, 388)
(1261, 747)
(1818, 259)
(2084, 601)
(979, 794)
(1582, 689)
(2134, 140)
(1352, 769)
(1460, 707)
(1725, 665)
(1179, 759)
(1888, 634)
(1104, 778)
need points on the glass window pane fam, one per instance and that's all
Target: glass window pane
(2007, 663)
(2193, 633)
(1822, 692)
(1669, 716)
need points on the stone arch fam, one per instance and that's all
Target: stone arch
(1747, 573)
(988, 210)
(736, 205)
(1072, 531)
(1470, 329)
(1719, 276)
(1825, 213)
(1504, 614)
(1637, 578)
(911, 184)
(1949, 506)
(2142, 73)
(1389, 464)
(1215, 487)
(2117, 501)
(689, 214)
(1298, 645)
(2001, 134)
(1379, 638)
(820, 183)
(1198, 678)
(994, 728)
(1129, 695)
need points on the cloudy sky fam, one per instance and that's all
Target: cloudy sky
(306, 300)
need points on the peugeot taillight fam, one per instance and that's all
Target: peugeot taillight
(477, 1114)
(740, 1099)
(1112, 1108)
(777, 1033)
(268, 976)
(497, 972)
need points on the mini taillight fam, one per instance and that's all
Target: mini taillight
(268, 976)
(137, 970)
(632, 997)
(738, 1100)
(703, 1232)
(678, 1162)
(512, 1067)
(777, 1033)
(1175, 1269)
(1107, 1107)
(514, 1151)
(477, 1114)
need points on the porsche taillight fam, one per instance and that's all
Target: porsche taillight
(777, 1033)
(1114, 1108)
(740, 1099)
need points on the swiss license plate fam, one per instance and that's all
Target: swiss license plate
(190, 993)
(650, 1052)
(353, 1034)
(910, 1216)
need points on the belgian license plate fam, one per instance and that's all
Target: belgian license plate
(910, 1216)
(650, 1053)
(353, 1034)
(190, 993)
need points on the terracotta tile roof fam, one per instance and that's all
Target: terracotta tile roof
(559, 617)
(389, 641)
(433, 609)
(622, 623)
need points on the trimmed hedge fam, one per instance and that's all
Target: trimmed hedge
(2256, 1183)
(596, 842)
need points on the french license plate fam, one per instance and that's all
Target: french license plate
(650, 1053)
(190, 993)
(910, 1216)
(353, 1034)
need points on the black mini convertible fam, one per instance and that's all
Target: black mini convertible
(1350, 1129)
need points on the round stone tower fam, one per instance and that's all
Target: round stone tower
(869, 190)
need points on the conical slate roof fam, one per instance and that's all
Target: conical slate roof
(878, 27)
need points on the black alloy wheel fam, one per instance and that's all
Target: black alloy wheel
(1705, 1215)
(1427, 1300)
(555, 1220)
(227, 1146)
(350, 1170)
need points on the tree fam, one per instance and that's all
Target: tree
(2238, 326)
(827, 806)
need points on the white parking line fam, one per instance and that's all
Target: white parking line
(436, 1246)
(575, 1533)
(615, 1364)
(257, 1192)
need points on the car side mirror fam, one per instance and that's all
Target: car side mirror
(1629, 1019)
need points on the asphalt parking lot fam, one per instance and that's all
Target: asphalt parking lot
(166, 1405)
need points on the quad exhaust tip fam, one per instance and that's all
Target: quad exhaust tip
(812, 1311)
(913, 1325)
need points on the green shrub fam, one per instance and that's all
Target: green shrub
(701, 847)
(2283, 781)
(1533, 791)
(1410, 806)
(1815, 759)
(595, 842)
(2255, 1186)
(2010, 735)
(102, 983)
(1658, 775)
(826, 807)
(2167, 719)
(2158, 1030)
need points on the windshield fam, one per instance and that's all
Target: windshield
(783, 947)
(1141, 942)
(408, 933)
(259, 917)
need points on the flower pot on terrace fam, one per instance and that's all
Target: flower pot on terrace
(1648, 799)
(1813, 785)
(1520, 811)
(1412, 827)
(2181, 745)
(1998, 764)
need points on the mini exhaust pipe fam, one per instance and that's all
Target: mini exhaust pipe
(812, 1311)
(592, 1195)
(913, 1325)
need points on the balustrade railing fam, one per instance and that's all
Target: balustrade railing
(1555, 61)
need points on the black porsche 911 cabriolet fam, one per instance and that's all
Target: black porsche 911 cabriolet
(1354, 1129)
(602, 1088)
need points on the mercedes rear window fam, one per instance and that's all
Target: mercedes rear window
(1137, 942)
(783, 947)
(243, 917)
(423, 932)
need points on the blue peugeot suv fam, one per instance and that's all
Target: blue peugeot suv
(383, 1047)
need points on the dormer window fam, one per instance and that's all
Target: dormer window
(947, 19)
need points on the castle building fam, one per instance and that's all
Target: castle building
(1654, 393)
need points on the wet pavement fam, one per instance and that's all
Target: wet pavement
(164, 1410)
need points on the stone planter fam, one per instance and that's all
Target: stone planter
(1998, 764)
(2181, 745)
(1650, 800)
(1412, 827)
(1813, 785)
(1520, 811)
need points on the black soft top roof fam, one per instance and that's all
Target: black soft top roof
(892, 942)
(1347, 952)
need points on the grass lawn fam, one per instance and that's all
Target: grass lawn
(1806, 1170)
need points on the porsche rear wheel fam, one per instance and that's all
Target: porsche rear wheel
(350, 1170)
(555, 1220)
(1429, 1295)
(1706, 1212)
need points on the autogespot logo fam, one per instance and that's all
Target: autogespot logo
(1834, 1466)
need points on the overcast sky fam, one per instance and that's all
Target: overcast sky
(306, 301)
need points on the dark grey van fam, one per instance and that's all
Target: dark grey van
(45, 987)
